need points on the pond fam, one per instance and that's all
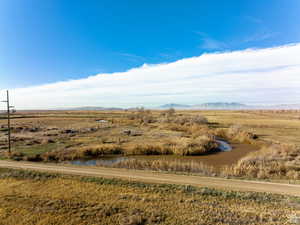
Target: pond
(228, 155)
(224, 146)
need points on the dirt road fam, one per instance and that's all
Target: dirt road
(156, 177)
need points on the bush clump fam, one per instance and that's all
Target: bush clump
(237, 133)
(195, 146)
(149, 149)
(275, 161)
(178, 146)
(164, 165)
(185, 119)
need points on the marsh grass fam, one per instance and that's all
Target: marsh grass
(237, 133)
(275, 161)
(164, 165)
(198, 145)
(62, 135)
(98, 150)
(178, 146)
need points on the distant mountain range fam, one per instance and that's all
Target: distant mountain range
(228, 105)
(203, 106)
(173, 105)
(209, 105)
(93, 108)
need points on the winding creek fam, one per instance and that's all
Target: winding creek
(224, 146)
(229, 154)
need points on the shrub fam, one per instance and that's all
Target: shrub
(195, 146)
(148, 149)
(237, 133)
(82, 152)
(53, 156)
(143, 116)
(275, 161)
(178, 146)
(164, 165)
(33, 158)
(182, 120)
(16, 156)
(100, 149)
(189, 120)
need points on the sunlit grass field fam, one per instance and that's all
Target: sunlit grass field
(41, 198)
(276, 126)
(268, 141)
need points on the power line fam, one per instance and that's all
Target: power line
(8, 120)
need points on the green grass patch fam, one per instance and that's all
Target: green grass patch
(37, 149)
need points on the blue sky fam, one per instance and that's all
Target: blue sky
(50, 41)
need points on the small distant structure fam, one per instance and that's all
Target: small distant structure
(102, 121)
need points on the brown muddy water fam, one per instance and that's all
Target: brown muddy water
(217, 159)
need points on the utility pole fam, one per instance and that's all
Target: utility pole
(8, 121)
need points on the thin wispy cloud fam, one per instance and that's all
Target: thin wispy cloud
(260, 36)
(132, 57)
(270, 75)
(209, 43)
(263, 32)
(212, 44)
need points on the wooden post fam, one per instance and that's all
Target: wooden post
(8, 123)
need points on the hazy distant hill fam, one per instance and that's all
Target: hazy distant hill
(173, 105)
(282, 106)
(221, 105)
(229, 106)
(93, 108)
(209, 105)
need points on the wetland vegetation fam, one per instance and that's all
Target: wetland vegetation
(265, 144)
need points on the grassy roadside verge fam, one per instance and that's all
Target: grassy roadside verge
(56, 198)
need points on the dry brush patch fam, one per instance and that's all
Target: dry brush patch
(239, 134)
(129, 133)
(40, 198)
(275, 161)
(70, 135)
(176, 146)
(164, 165)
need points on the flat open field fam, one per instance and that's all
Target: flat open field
(265, 144)
(39, 198)
(281, 126)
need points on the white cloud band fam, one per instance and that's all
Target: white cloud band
(270, 75)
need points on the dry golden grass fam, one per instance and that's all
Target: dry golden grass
(176, 146)
(273, 126)
(164, 165)
(276, 161)
(59, 135)
(279, 138)
(239, 134)
(28, 198)
(79, 135)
